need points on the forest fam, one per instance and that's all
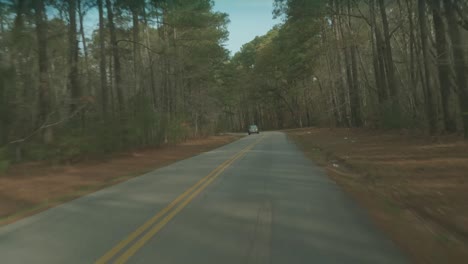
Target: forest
(156, 72)
(377, 64)
(145, 76)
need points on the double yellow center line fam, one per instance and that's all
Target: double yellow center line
(138, 238)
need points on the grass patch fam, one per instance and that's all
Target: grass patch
(4, 165)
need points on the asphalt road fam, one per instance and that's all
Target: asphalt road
(257, 200)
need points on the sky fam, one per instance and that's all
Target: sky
(249, 18)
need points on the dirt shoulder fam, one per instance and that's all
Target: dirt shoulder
(32, 187)
(414, 187)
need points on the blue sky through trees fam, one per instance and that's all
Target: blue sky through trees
(249, 18)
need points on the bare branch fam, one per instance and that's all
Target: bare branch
(141, 44)
(354, 16)
(45, 125)
(463, 22)
(396, 28)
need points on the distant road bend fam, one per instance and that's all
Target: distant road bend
(257, 200)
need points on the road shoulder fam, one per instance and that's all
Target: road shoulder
(30, 188)
(413, 187)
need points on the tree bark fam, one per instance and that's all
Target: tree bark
(85, 48)
(354, 89)
(341, 88)
(390, 68)
(443, 65)
(349, 84)
(44, 89)
(150, 60)
(458, 55)
(102, 60)
(329, 58)
(136, 48)
(116, 58)
(413, 55)
(378, 58)
(73, 82)
(428, 91)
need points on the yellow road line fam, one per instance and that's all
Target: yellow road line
(111, 253)
(209, 178)
(153, 231)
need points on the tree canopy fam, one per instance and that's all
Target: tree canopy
(156, 71)
(375, 64)
(146, 76)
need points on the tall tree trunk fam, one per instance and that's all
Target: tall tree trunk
(73, 84)
(458, 55)
(390, 68)
(2, 25)
(430, 103)
(136, 48)
(151, 62)
(339, 68)
(7, 97)
(102, 59)
(4, 122)
(111, 87)
(412, 47)
(349, 87)
(443, 65)
(116, 57)
(354, 88)
(18, 23)
(44, 89)
(378, 58)
(85, 48)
